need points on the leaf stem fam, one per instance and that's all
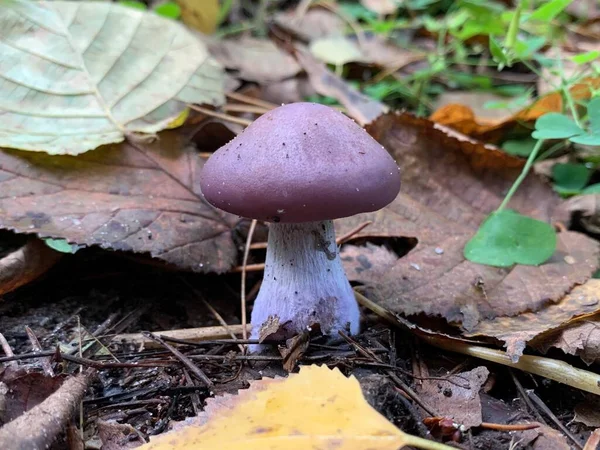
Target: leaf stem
(415, 441)
(526, 168)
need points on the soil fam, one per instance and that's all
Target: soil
(110, 292)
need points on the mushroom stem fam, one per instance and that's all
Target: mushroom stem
(304, 284)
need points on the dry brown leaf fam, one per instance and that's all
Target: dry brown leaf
(137, 197)
(588, 413)
(26, 263)
(316, 408)
(517, 331)
(117, 436)
(379, 51)
(360, 107)
(587, 209)
(581, 338)
(315, 23)
(457, 398)
(450, 183)
(381, 7)
(257, 60)
(462, 118)
(475, 101)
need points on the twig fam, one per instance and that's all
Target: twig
(525, 398)
(540, 404)
(346, 237)
(509, 427)
(7, 350)
(390, 373)
(38, 427)
(249, 268)
(189, 334)
(184, 359)
(218, 115)
(213, 311)
(244, 267)
(36, 347)
(238, 96)
(236, 107)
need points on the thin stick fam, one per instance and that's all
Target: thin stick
(36, 347)
(509, 427)
(189, 334)
(213, 311)
(249, 268)
(346, 237)
(236, 107)
(237, 96)
(540, 404)
(244, 268)
(7, 350)
(593, 443)
(525, 398)
(185, 360)
(225, 117)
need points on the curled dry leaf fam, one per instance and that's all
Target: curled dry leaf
(450, 183)
(573, 308)
(360, 107)
(77, 75)
(587, 209)
(313, 24)
(254, 59)
(316, 408)
(138, 197)
(580, 338)
(457, 398)
(25, 264)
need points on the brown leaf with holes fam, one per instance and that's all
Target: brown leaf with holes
(26, 264)
(132, 196)
(518, 330)
(257, 60)
(450, 183)
(457, 397)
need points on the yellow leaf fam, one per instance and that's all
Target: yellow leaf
(317, 408)
(201, 15)
(180, 119)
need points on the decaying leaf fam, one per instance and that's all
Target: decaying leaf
(336, 50)
(462, 118)
(25, 264)
(581, 338)
(360, 107)
(587, 413)
(313, 24)
(133, 196)
(457, 398)
(254, 59)
(587, 209)
(518, 330)
(317, 408)
(450, 183)
(77, 75)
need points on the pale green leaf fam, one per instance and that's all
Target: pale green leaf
(77, 75)
(336, 50)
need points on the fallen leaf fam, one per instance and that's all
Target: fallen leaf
(462, 118)
(518, 330)
(202, 16)
(381, 7)
(75, 76)
(316, 408)
(587, 413)
(25, 264)
(581, 338)
(117, 436)
(360, 107)
(450, 183)
(136, 197)
(586, 208)
(457, 398)
(549, 439)
(336, 50)
(254, 59)
(313, 24)
(21, 390)
(476, 102)
(382, 52)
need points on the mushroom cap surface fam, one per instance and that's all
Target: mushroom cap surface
(301, 162)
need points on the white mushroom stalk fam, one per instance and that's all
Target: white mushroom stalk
(304, 283)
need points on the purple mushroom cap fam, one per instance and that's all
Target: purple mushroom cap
(301, 162)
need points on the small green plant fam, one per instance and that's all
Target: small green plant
(170, 10)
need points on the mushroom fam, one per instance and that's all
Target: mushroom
(299, 167)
